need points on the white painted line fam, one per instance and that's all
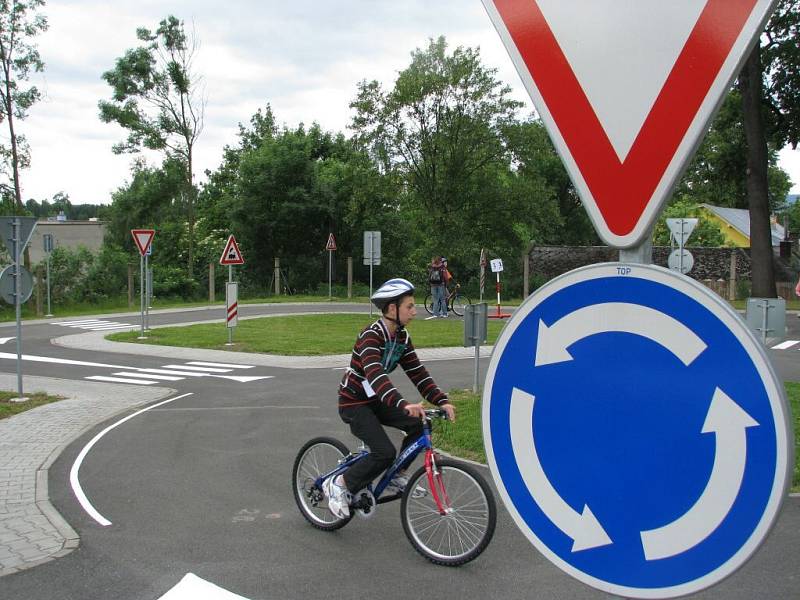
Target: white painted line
(261, 407)
(203, 369)
(119, 380)
(191, 587)
(85, 321)
(59, 361)
(147, 375)
(73, 474)
(110, 326)
(210, 364)
(786, 344)
(171, 372)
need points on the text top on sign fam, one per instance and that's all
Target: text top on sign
(143, 238)
(626, 90)
(231, 255)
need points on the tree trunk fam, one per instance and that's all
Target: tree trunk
(750, 85)
(190, 207)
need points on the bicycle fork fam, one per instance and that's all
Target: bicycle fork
(436, 484)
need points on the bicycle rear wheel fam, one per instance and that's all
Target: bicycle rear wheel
(317, 457)
(459, 302)
(466, 528)
(429, 304)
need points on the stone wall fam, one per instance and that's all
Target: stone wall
(712, 266)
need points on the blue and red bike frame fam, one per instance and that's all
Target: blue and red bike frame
(422, 444)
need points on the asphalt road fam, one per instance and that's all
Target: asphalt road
(202, 485)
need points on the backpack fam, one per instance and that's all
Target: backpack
(435, 276)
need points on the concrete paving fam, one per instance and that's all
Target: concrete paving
(31, 530)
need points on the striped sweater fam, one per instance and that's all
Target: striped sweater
(367, 379)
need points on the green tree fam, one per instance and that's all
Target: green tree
(438, 127)
(705, 233)
(19, 24)
(158, 99)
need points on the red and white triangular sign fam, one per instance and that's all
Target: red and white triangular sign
(627, 90)
(143, 238)
(231, 255)
(331, 245)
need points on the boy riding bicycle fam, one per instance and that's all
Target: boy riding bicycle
(368, 400)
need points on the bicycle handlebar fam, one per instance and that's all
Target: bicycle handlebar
(435, 412)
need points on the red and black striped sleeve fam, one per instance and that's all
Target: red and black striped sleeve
(419, 375)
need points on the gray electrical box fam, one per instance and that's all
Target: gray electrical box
(476, 318)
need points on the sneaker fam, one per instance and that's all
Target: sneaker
(397, 485)
(338, 498)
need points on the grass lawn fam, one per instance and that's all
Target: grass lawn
(301, 335)
(8, 409)
(465, 437)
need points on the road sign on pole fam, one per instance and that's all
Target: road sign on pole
(626, 90)
(636, 430)
(143, 238)
(231, 255)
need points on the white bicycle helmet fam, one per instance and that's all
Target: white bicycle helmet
(391, 291)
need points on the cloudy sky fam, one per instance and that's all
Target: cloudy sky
(304, 57)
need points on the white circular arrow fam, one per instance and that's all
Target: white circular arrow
(624, 317)
(728, 421)
(583, 528)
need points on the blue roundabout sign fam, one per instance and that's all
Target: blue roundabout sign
(636, 430)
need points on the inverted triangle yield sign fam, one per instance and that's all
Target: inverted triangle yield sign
(626, 90)
(143, 239)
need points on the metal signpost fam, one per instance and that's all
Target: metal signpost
(497, 268)
(681, 260)
(475, 331)
(372, 256)
(48, 248)
(142, 238)
(330, 246)
(231, 256)
(16, 233)
(634, 426)
(483, 264)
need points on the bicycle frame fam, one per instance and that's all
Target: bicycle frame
(422, 444)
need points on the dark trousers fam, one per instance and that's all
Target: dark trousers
(366, 422)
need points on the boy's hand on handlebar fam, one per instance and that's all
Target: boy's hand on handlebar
(450, 410)
(415, 410)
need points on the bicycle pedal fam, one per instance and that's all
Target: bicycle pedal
(419, 492)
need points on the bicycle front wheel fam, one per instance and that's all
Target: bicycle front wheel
(429, 304)
(318, 456)
(459, 302)
(467, 525)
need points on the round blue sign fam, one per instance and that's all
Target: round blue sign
(636, 430)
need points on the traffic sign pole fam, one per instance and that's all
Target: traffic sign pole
(141, 295)
(18, 306)
(230, 329)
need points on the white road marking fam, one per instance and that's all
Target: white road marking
(785, 345)
(203, 369)
(76, 466)
(112, 326)
(7, 339)
(120, 380)
(211, 364)
(148, 376)
(191, 587)
(173, 372)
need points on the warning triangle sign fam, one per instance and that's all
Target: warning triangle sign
(231, 255)
(143, 238)
(627, 90)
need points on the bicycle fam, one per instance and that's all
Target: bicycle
(456, 301)
(447, 509)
